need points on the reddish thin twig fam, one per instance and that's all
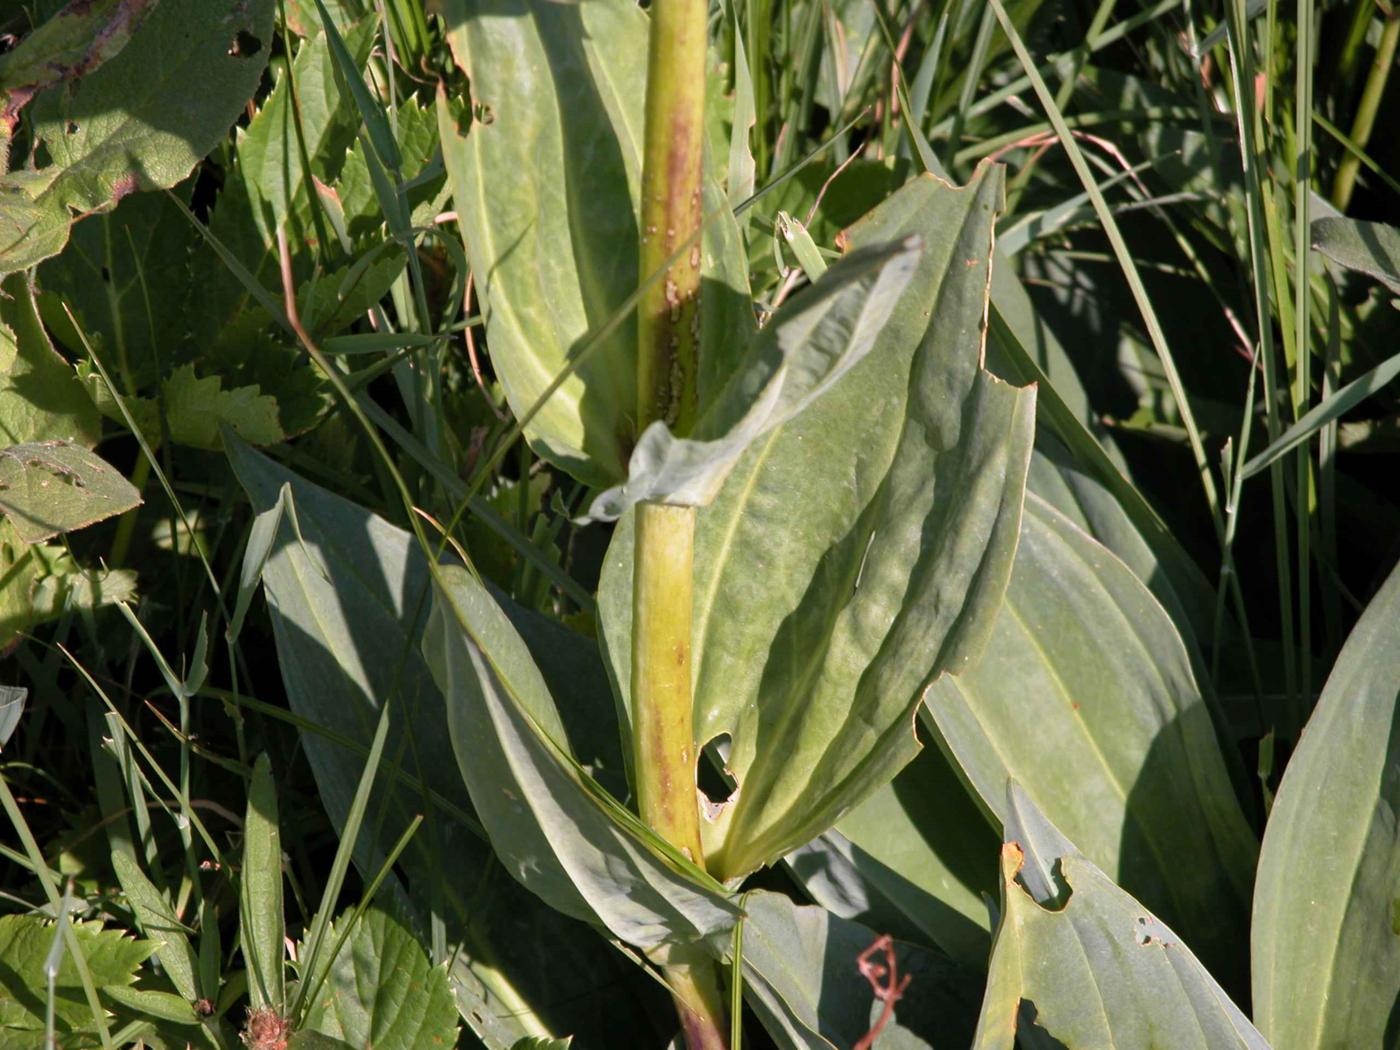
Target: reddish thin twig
(890, 992)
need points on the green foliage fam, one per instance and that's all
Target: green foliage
(323, 316)
(1327, 872)
(382, 991)
(48, 487)
(118, 128)
(26, 941)
(1121, 976)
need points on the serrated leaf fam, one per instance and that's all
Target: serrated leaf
(813, 342)
(836, 576)
(553, 827)
(270, 169)
(112, 959)
(802, 979)
(1096, 969)
(130, 125)
(1327, 899)
(192, 409)
(48, 487)
(40, 400)
(1085, 696)
(382, 991)
(551, 156)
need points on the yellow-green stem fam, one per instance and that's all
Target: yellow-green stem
(1366, 110)
(662, 726)
(667, 316)
(663, 733)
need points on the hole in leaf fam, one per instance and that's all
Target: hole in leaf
(244, 45)
(1028, 1018)
(713, 777)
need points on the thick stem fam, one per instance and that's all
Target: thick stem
(662, 726)
(663, 733)
(667, 316)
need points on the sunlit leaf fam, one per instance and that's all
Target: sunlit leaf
(1327, 900)
(48, 487)
(1086, 697)
(1078, 963)
(855, 553)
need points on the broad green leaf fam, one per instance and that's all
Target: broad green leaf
(125, 276)
(192, 410)
(112, 958)
(348, 596)
(1327, 899)
(855, 553)
(48, 487)
(554, 828)
(912, 860)
(802, 979)
(40, 581)
(132, 124)
(546, 183)
(1371, 248)
(814, 341)
(1085, 696)
(1086, 964)
(40, 400)
(381, 991)
(261, 923)
(1057, 477)
(545, 173)
(71, 43)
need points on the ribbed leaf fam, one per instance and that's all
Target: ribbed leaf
(348, 596)
(382, 991)
(546, 181)
(856, 552)
(555, 830)
(802, 353)
(1327, 900)
(261, 923)
(912, 860)
(1085, 696)
(1093, 970)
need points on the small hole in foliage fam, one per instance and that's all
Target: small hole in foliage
(244, 45)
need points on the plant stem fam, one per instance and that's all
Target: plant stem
(667, 318)
(668, 329)
(1366, 110)
(663, 734)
